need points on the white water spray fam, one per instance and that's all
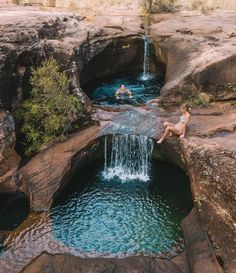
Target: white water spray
(129, 158)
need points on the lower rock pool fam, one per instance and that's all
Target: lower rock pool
(102, 91)
(98, 215)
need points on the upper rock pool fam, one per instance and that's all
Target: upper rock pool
(143, 87)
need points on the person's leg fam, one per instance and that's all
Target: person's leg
(169, 124)
(169, 131)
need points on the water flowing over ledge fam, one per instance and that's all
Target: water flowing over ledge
(145, 76)
(129, 158)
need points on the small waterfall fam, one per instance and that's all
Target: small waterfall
(129, 158)
(146, 56)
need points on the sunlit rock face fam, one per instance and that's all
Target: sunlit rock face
(198, 59)
(142, 5)
(94, 4)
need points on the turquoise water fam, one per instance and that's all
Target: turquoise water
(96, 215)
(102, 91)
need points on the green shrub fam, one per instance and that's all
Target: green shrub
(197, 102)
(51, 111)
(233, 102)
(232, 87)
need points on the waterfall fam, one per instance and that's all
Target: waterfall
(145, 75)
(129, 158)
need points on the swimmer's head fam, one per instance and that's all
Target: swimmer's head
(185, 108)
(122, 87)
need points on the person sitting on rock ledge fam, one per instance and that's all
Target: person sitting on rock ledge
(123, 91)
(179, 128)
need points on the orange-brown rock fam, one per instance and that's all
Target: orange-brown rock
(85, 47)
(43, 175)
(67, 263)
(199, 54)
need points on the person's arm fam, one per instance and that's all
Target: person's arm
(117, 92)
(129, 93)
(183, 134)
(185, 125)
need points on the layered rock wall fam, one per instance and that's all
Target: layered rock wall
(142, 5)
(213, 176)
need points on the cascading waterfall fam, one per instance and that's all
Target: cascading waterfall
(129, 158)
(145, 75)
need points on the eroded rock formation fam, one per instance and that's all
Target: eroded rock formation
(9, 160)
(198, 58)
(34, 35)
(199, 53)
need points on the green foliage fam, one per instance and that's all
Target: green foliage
(197, 102)
(232, 87)
(233, 102)
(51, 111)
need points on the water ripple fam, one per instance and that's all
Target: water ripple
(110, 216)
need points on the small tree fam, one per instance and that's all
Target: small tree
(51, 111)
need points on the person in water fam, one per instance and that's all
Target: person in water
(179, 128)
(123, 91)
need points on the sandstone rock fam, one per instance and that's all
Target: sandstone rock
(98, 59)
(73, 40)
(201, 62)
(212, 171)
(199, 253)
(182, 262)
(199, 53)
(66, 263)
(210, 161)
(9, 160)
(43, 175)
